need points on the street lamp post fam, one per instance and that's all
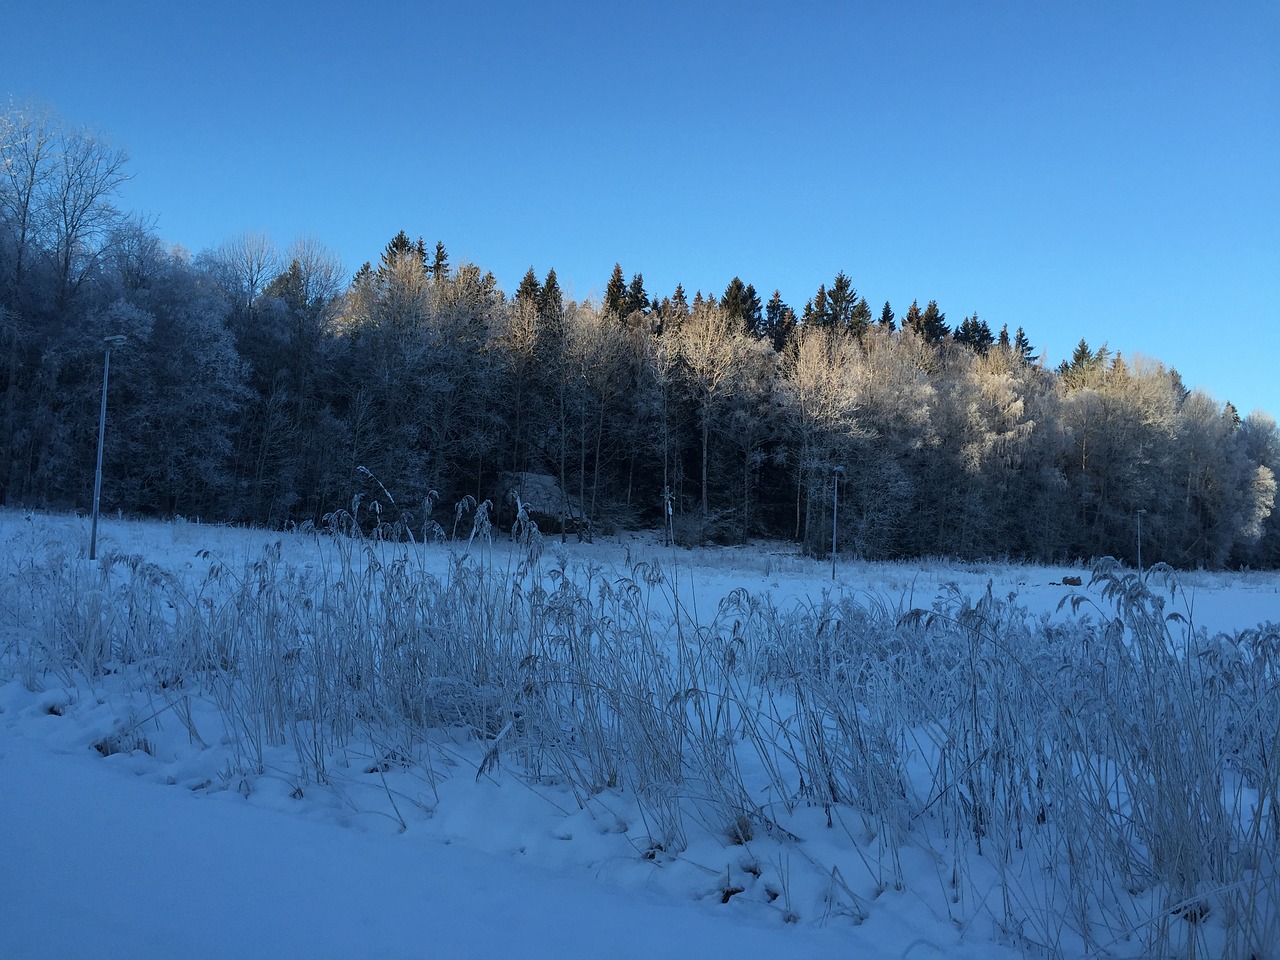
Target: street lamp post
(108, 343)
(1140, 513)
(836, 473)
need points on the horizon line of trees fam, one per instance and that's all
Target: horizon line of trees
(268, 388)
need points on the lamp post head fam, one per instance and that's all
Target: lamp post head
(116, 340)
(838, 471)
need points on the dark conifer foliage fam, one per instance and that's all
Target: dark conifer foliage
(551, 299)
(933, 327)
(401, 246)
(1084, 361)
(913, 319)
(975, 334)
(636, 299)
(1022, 347)
(886, 317)
(842, 301)
(817, 312)
(679, 303)
(929, 324)
(530, 290)
(440, 262)
(741, 303)
(779, 322)
(615, 293)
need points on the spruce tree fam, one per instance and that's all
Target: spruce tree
(912, 321)
(751, 310)
(841, 299)
(399, 246)
(886, 317)
(779, 322)
(933, 325)
(740, 302)
(530, 291)
(439, 268)
(1075, 373)
(636, 298)
(861, 318)
(1022, 347)
(551, 300)
(679, 303)
(615, 294)
(731, 299)
(817, 312)
(1082, 356)
(975, 334)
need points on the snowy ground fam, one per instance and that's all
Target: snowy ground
(163, 848)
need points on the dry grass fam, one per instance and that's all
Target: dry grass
(1104, 786)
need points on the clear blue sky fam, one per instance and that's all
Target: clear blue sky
(1100, 170)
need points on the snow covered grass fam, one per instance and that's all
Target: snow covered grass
(1091, 778)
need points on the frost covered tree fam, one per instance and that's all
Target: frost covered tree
(286, 439)
(713, 351)
(820, 409)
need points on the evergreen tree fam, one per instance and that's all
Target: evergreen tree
(440, 263)
(1022, 347)
(731, 299)
(779, 322)
(752, 315)
(530, 291)
(1233, 415)
(741, 302)
(861, 319)
(615, 294)
(912, 321)
(660, 315)
(1084, 364)
(399, 246)
(1082, 356)
(817, 312)
(933, 327)
(551, 300)
(929, 324)
(975, 334)
(637, 301)
(887, 318)
(1003, 339)
(842, 301)
(679, 303)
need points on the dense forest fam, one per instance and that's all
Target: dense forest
(268, 387)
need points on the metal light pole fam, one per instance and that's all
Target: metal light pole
(1140, 513)
(836, 473)
(108, 343)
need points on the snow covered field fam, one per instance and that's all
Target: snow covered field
(219, 742)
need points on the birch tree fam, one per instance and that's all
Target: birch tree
(713, 351)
